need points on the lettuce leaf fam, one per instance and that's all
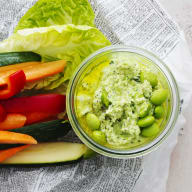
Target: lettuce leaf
(72, 43)
(57, 12)
(57, 29)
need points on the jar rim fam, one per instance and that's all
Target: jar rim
(140, 150)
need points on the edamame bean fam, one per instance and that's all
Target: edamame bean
(159, 112)
(92, 121)
(99, 137)
(144, 110)
(104, 98)
(149, 76)
(152, 78)
(146, 121)
(159, 96)
(150, 131)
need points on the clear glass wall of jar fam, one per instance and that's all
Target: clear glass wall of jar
(171, 118)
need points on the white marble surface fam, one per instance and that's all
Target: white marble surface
(180, 176)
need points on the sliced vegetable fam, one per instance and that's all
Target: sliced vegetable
(55, 152)
(5, 154)
(18, 66)
(35, 117)
(13, 84)
(48, 103)
(2, 113)
(8, 146)
(14, 138)
(18, 57)
(13, 121)
(36, 72)
(72, 43)
(46, 131)
(44, 70)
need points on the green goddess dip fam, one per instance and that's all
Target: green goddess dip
(121, 102)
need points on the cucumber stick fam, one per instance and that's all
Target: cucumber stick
(11, 58)
(46, 131)
(46, 153)
(42, 132)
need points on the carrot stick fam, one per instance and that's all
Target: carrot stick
(44, 70)
(7, 153)
(13, 121)
(35, 72)
(18, 66)
(14, 138)
(35, 117)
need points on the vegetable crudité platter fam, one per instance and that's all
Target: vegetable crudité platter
(36, 64)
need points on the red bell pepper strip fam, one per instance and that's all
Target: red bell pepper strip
(48, 103)
(2, 113)
(13, 84)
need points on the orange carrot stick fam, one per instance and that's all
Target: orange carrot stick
(35, 117)
(18, 66)
(14, 138)
(36, 71)
(44, 70)
(13, 121)
(7, 153)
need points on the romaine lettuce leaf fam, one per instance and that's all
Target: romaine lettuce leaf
(72, 43)
(57, 12)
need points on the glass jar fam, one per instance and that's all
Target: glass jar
(149, 60)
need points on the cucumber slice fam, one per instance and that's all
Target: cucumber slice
(46, 153)
(42, 132)
(46, 131)
(11, 58)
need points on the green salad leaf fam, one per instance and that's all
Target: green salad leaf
(57, 12)
(57, 29)
(72, 43)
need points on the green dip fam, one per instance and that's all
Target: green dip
(121, 103)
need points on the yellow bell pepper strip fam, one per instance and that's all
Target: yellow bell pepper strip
(12, 85)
